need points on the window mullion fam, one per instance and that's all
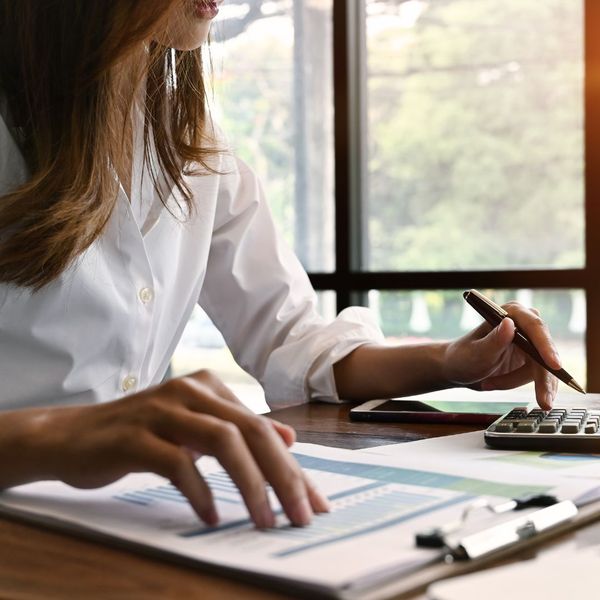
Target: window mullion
(349, 39)
(592, 190)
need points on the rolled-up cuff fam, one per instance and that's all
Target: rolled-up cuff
(352, 328)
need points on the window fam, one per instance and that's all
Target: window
(272, 67)
(475, 135)
(475, 155)
(411, 149)
(460, 138)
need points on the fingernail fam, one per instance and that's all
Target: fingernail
(301, 513)
(556, 358)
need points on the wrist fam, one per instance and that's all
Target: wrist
(25, 452)
(430, 367)
(374, 371)
(439, 365)
(418, 368)
(447, 369)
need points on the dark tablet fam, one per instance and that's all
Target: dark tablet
(433, 410)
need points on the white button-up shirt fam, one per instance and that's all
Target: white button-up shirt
(109, 324)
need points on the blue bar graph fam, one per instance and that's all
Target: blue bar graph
(375, 502)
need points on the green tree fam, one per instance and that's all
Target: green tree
(475, 118)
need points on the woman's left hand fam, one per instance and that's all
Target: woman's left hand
(486, 358)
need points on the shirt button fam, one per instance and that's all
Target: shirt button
(128, 383)
(146, 295)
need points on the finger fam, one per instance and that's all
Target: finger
(280, 469)
(175, 464)
(498, 339)
(479, 332)
(546, 386)
(531, 324)
(211, 380)
(489, 351)
(508, 381)
(285, 432)
(222, 439)
(208, 378)
(502, 335)
(319, 502)
(265, 445)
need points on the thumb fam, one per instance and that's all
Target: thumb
(499, 338)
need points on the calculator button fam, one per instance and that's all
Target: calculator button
(591, 427)
(537, 412)
(504, 426)
(527, 426)
(548, 427)
(516, 414)
(570, 427)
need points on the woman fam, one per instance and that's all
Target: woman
(120, 208)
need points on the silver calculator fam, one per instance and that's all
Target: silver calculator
(557, 430)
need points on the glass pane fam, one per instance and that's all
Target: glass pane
(475, 134)
(203, 347)
(419, 316)
(274, 92)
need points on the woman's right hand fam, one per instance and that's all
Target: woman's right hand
(161, 430)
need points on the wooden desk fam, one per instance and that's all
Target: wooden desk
(37, 563)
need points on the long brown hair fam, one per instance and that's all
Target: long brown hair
(62, 64)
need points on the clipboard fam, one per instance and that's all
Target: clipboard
(490, 539)
(414, 584)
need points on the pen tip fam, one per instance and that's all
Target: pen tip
(576, 386)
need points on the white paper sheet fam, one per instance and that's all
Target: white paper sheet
(378, 504)
(468, 450)
(566, 573)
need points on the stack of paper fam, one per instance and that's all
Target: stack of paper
(378, 504)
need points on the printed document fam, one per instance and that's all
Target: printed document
(378, 504)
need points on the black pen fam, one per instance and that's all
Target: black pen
(494, 314)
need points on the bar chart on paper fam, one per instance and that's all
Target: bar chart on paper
(355, 511)
(376, 504)
(363, 499)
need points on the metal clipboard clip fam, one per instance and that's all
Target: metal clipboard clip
(508, 533)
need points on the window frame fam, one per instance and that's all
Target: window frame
(351, 282)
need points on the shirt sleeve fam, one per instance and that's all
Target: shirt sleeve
(259, 296)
